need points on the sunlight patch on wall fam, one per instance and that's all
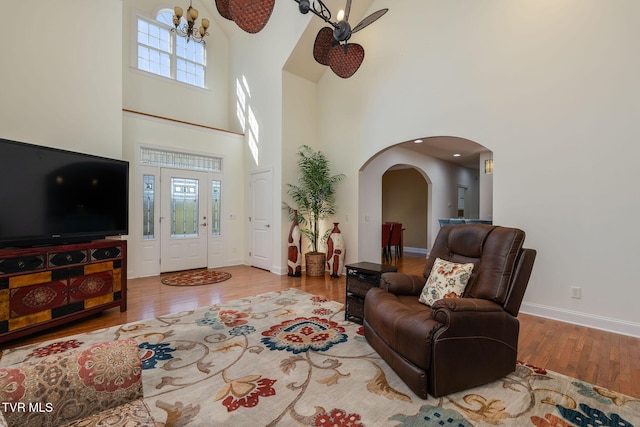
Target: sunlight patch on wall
(253, 136)
(246, 117)
(241, 104)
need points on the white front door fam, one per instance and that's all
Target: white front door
(260, 220)
(183, 219)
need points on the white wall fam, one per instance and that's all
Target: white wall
(299, 127)
(148, 132)
(551, 88)
(66, 87)
(260, 58)
(61, 84)
(151, 94)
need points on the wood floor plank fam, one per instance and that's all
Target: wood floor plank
(605, 359)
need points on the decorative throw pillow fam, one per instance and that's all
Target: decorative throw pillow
(446, 280)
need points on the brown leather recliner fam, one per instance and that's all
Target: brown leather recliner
(456, 343)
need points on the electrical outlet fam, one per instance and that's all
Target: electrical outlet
(576, 292)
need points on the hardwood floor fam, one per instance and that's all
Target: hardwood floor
(602, 358)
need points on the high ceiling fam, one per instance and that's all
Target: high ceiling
(301, 63)
(444, 148)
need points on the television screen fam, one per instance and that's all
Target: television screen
(52, 196)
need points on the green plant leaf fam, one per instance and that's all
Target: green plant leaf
(314, 194)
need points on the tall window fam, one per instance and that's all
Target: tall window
(216, 209)
(162, 52)
(148, 207)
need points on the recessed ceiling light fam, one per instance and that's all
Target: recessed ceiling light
(418, 141)
(457, 155)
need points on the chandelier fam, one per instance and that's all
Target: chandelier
(189, 29)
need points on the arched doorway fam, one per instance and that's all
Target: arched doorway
(443, 177)
(405, 201)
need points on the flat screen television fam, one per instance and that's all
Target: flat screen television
(52, 196)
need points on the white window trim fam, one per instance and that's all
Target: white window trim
(133, 56)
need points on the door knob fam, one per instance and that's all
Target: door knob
(268, 225)
(204, 225)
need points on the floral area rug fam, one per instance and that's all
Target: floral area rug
(290, 359)
(195, 278)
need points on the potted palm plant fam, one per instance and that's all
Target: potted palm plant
(315, 201)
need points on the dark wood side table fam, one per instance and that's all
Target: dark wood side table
(361, 277)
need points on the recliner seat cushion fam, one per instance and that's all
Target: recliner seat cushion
(405, 324)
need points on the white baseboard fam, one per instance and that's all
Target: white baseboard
(236, 261)
(279, 270)
(608, 324)
(415, 250)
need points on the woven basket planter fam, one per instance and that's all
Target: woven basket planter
(315, 263)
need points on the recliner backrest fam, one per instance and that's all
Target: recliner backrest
(492, 249)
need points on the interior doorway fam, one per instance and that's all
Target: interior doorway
(405, 200)
(444, 172)
(462, 201)
(260, 234)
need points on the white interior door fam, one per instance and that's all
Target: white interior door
(183, 219)
(260, 220)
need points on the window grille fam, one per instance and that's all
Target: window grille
(184, 208)
(162, 52)
(148, 207)
(153, 157)
(154, 48)
(216, 210)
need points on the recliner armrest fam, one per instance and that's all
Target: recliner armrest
(477, 343)
(402, 283)
(472, 317)
(466, 304)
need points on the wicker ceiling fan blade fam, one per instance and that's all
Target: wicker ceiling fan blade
(323, 44)
(251, 15)
(223, 9)
(369, 20)
(345, 60)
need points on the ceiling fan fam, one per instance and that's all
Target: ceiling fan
(250, 15)
(331, 46)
